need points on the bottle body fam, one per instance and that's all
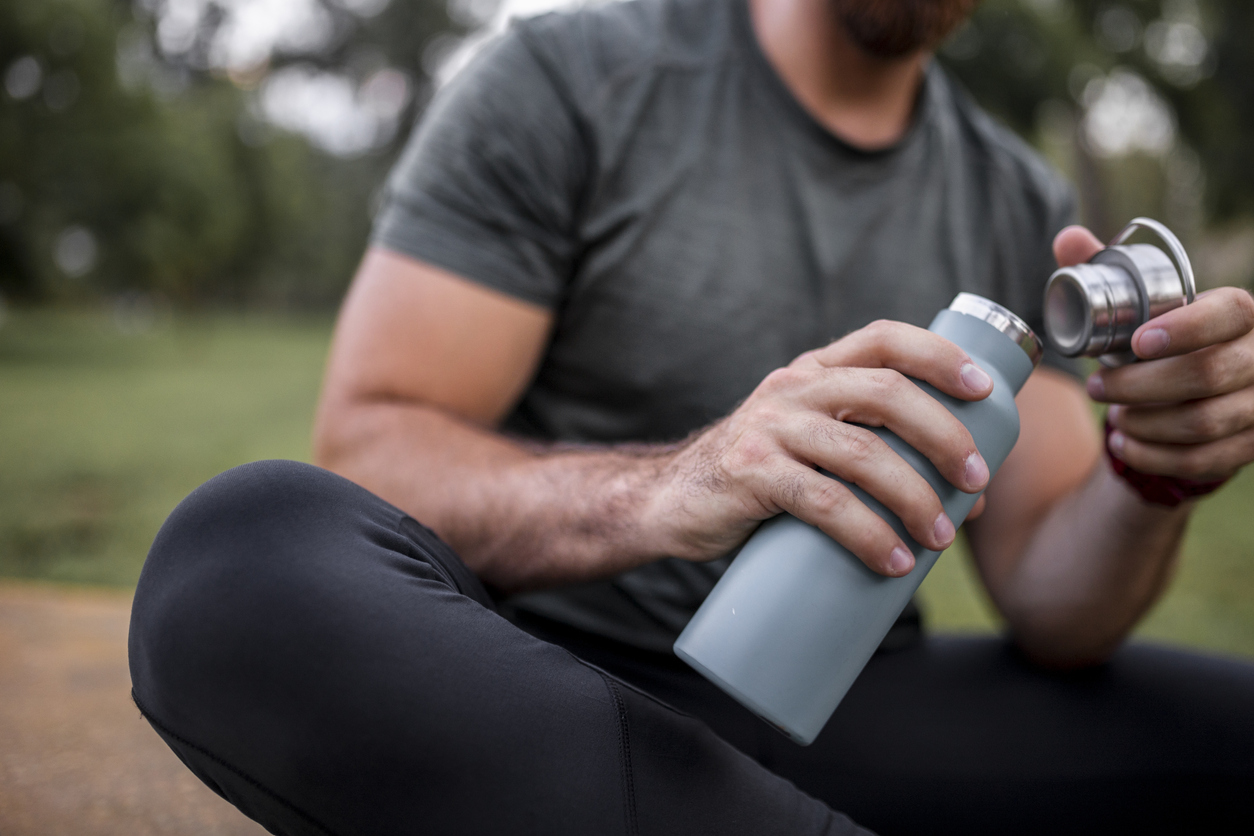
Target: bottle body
(796, 617)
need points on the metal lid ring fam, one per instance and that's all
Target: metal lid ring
(1174, 247)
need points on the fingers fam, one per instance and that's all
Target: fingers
(858, 455)
(1218, 316)
(1217, 370)
(1194, 422)
(815, 414)
(819, 417)
(1075, 245)
(912, 351)
(887, 398)
(1189, 413)
(828, 505)
(1212, 460)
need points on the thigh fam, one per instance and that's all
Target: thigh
(329, 666)
(963, 736)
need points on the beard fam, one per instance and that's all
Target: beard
(895, 28)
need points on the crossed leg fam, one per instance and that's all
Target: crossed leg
(329, 666)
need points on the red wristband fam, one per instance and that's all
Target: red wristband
(1160, 490)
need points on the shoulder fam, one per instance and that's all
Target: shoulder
(1013, 170)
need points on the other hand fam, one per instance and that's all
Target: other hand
(1188, 409)
(762, 459)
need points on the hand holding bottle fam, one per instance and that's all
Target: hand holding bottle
(764, 458)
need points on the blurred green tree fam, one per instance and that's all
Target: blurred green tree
(1078, 66)
(125, 169)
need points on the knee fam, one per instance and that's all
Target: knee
(253, 512)
(229, 556)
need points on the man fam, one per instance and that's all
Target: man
(591, 349)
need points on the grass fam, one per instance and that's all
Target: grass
(1209, 605)
(102, 432)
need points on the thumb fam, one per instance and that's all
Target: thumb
(1075, 245)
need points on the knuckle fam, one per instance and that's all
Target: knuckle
(782, 380)
(1193, 464)
(1243, 306)
(829, 499)
(811, 357)
(1213, 372)
(880, 330)
(821, 434)
(750, 453)
(767, 417)
(787, 489)
(1243, 360)
(885, 383)
(1205, 422)
(861, 445)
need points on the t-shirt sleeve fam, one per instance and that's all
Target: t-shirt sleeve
(489, 184)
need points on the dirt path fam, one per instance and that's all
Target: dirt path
(75, 756)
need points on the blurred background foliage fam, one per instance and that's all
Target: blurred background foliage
(137, 153)
(186, 186)
(195, 152)
(1147, 105)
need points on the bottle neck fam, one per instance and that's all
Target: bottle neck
(988, 346)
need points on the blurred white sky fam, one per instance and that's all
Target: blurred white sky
(1123, 113)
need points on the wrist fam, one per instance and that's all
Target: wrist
(690, 513)
(1155, 488)
(668, 505)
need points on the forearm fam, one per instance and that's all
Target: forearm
(1096, 563)
(522, 516)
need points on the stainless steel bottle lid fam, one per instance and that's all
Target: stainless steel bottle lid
(1093, 309)
(1003, 320)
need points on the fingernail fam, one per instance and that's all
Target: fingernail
(1116, 442)
(976, 471)
(1153, 342)
(943, 530)
(974, 378)
(901, 561)
(1096, 386)
(1113, 413)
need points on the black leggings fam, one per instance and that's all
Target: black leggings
(329, 666)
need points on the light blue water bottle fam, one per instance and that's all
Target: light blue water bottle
(796, 617)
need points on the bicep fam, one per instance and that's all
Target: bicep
(411, 332)
(1058, 448)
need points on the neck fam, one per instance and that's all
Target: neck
(866, 100)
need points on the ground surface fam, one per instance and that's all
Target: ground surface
(75, 756)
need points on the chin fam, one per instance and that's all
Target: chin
(897, 28)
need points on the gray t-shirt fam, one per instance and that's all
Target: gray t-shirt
(640, 169)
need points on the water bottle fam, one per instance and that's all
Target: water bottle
(796, 616)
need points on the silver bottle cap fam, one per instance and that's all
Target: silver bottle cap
(1093, 309)
(1003, 320)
